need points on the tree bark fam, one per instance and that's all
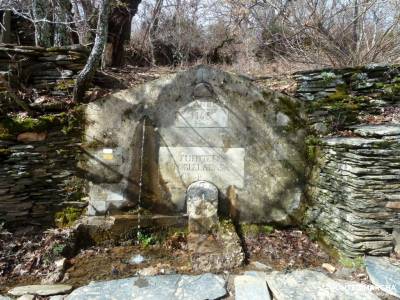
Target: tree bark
(5, 35)
(62, 10)
(86, 75)
(356, 26)
(40, 11)
(120, 28)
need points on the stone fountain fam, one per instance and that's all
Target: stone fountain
(201, 144)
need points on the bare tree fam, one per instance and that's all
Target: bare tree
(5, 30)
(85, 77)
(62, 10)
(120, 28)
(40, 12)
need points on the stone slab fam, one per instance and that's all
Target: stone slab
(164, 287)
(383, 274)
(41, 290)
(184, 165)
(312, 285)
(249, 287)
(202, 114)
(377, 130)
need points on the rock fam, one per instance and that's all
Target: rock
(202, 207)
(307, 284)
(260, 266)
(329, 267)
(282, 119)
(26, 297)
(149, 271)
(27, 137)
(216, 252)
(396, 239)
(320, 128)
(250, 288)
(57, 274)
(377, 130)
(136, 259)
(41, 290)
(393, 205)
(4, 298)
(384, 275)
(162, 287)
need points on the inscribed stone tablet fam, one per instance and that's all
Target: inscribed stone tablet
(202, 114)
(184, 165)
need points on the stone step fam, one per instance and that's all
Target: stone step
(248, 287)
(162, 287)
(312, 285)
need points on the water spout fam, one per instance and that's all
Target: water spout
(138, 234)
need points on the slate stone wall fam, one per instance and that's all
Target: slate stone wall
(338, 98)
(41, 67)
(39, 174)
(355, 188)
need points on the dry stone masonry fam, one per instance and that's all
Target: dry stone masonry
(41, 67)
(355, 187)
(356, 191)
(39, 175)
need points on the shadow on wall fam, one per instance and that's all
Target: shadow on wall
(270, 128)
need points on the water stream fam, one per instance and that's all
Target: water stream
(140, 182)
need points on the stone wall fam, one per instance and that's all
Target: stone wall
(355, 188)
(337, 98)
(41, 68)
(39, 174)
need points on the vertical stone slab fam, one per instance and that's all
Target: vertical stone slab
(202, 207)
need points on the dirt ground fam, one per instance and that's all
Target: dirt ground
(28, 257)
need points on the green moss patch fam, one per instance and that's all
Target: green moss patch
(356, 262)
(256, 229)
(71, 122)
(68, 216)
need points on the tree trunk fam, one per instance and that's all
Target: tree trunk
(356, 26)
(62, 10)
(5, 34)
(40, 10)
(120, 28)
(86, 75)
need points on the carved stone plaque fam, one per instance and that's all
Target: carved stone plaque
(184, 165)
(202, 114)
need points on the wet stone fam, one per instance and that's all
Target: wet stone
(202, 206)
(384, 274)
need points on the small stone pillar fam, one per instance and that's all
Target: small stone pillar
(202, 207)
